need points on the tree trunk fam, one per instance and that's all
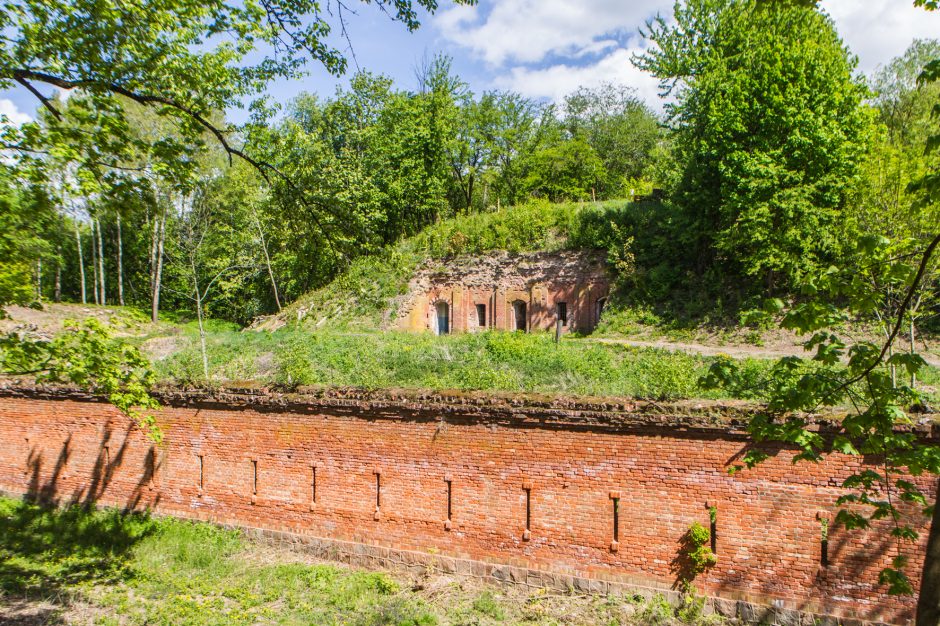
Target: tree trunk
(57, 294)
(154, 234)
(928, 602)
(267, 260)
(101, 261)
(39, 280)
(81, 262)
(202, 330)
(94, 263)
(470, 194)
(120, 262)
(158, 271)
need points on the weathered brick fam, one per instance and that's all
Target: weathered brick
(664, 466)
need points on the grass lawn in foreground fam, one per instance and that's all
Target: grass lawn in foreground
(80, 566)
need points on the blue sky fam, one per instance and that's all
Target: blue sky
(547, 48)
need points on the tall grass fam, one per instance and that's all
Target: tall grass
(491, 361)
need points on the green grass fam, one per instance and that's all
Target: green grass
(165, 571)
(133, 569)
(492, 361)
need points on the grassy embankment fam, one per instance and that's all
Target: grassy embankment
(340, 341)
(79, 566)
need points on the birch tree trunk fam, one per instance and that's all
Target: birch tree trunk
(154, 235)
(57, 294)
(202, 330)
(120, 262)
(101, 262)
(267, 260)
(158, 272)
(94, 263)
(81, 262)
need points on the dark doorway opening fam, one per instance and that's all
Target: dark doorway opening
(519, 314)
(442, 318)
(563, 312)
(481, 315)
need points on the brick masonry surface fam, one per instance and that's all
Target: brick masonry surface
(507, 291)
(517, 489)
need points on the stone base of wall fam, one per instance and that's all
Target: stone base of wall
(380, 557)
(372, 557)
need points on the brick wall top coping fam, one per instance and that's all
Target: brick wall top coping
(514, 410)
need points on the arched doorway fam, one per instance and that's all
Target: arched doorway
(519, 315)
(441, 318)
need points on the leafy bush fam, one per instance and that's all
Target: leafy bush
(486, 604)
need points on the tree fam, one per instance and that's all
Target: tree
(769, 132)
(620, 128)
(471, 153)
(885, 203)
(515, 136)
(568, 170)
(186, 59)
(857, 375)
(29, 230)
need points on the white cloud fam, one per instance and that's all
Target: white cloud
(548, 48)
(879, 30)
(9, 110)
(527, 31)
(556, 81)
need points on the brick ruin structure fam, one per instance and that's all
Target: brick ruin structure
(585, 495)
(504, 291)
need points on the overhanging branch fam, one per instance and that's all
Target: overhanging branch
(265, 170)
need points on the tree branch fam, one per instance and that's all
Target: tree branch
(43, 99)
(262, 167)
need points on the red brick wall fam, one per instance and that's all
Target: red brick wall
(541, 280)
(768, 535)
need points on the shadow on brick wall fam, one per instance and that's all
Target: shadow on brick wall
(46, 486)
(59, 542)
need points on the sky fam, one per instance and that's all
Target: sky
(546, 49)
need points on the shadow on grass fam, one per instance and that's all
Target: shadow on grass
(45, 552)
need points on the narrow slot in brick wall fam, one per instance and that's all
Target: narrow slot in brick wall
(152, 467)
(448, 523)
(313, 485)
(615, 498)
(713, 526)
(378, 496)
(202, 472)
(527, 533)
